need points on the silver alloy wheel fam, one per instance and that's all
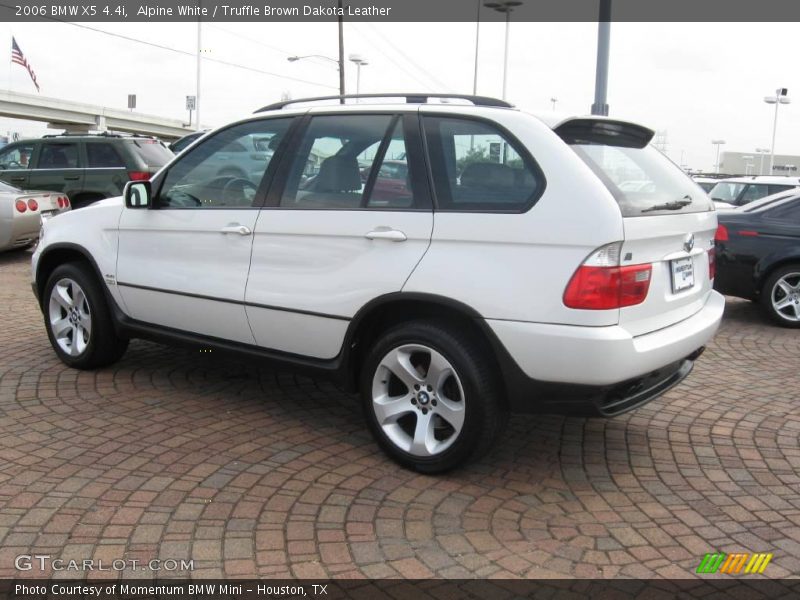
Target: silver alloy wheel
(70, 317)
(418, 400)
(786, 297)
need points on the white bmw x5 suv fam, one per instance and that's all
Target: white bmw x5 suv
(453, 261)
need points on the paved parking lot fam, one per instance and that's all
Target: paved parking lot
(182, 455)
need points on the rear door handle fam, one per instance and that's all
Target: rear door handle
(386, 233)
(236, 228)
(18, 179)
(72, 177)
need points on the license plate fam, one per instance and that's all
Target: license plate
(682, 273)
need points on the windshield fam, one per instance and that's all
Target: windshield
(642, 180)
(726, 191)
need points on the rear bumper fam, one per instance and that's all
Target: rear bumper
(598, 370)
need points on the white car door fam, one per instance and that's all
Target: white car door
(346, 222)
(183, 263)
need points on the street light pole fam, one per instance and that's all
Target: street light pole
(197, 91)
(505, 6)
(600, 106)
(717, 143)
(341, 53)
(477, 42)
(359, 61)
(779, 98)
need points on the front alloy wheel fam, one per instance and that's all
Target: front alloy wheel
(70, 317)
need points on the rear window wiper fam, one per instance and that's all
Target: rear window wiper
(676, 205)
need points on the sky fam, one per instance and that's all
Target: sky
(693, 81)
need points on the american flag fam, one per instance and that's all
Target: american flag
(19, 58)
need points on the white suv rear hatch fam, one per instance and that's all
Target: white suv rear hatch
(669, 222)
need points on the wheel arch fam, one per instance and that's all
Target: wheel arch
(389, 310)
(59, 254)
(768, 265)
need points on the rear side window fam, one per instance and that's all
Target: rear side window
(643, 181)
(103, 155)
(59, 155)
(152, 152)
(477, 167)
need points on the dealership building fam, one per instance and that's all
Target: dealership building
(757, 163)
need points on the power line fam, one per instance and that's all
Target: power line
(385, 38)
(205, 58)
(427, 86)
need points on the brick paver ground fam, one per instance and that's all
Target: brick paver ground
(176, 454)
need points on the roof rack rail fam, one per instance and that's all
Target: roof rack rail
(110, 134)
(409, 98)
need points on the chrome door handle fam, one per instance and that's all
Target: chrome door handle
(386, 234)
(235, 228)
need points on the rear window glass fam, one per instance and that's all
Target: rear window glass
(152, 152)
(642, 180)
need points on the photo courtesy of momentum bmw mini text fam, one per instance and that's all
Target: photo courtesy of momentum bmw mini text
(368, 299)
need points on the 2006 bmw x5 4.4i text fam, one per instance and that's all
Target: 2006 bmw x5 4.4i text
(453, 261)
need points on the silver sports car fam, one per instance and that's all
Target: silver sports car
(21, 214)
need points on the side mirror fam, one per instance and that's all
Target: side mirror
(138, 194)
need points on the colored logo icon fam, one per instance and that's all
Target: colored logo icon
(734, 564)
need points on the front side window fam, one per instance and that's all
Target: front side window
(16, 157)
(477, 168)
(59, 155)
(225, 170)
(350, 162)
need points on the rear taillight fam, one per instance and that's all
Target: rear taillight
(600, 283)
(138, 175)
(747, 233)
(66, 202)
(21, 206)
(722, 233)
(33, 204)
(712, 263)
(60, 201)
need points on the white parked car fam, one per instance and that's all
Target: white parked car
(738, 191)
(21, 214)
(512, 274)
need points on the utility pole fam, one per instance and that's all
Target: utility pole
(600, 106)
(341, 52)
(199, 50)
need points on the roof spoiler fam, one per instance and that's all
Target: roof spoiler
(607, 132)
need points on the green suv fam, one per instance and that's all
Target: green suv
(85, 167)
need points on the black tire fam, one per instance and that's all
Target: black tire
(484, 414)
(770, 291)
(103, 347)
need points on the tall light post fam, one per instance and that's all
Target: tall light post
(779, 98)
(600, 106)
(477, 42)
(359, 61)
(197, 81)
(762, 152)
(554, 100)
(506, 7)
(717, 143)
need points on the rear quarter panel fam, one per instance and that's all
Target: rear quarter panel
(517, 266)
